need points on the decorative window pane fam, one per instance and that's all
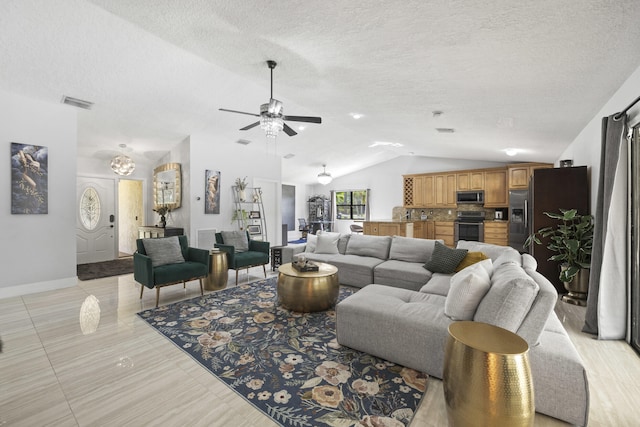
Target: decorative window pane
(90, 208)
(351, 204)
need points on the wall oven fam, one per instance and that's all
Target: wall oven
(469, 225)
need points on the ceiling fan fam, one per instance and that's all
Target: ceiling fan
(271, 114)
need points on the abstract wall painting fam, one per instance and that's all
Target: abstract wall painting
(29, 179)
(212, 190)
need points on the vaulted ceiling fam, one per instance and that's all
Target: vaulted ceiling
(504, 73)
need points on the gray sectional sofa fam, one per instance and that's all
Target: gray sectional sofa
(403, 311)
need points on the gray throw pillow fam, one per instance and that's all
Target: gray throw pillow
(327, 243)
(444, 259)
(237, 239)
(163, 251)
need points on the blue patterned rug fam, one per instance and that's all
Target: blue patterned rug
(289, 364)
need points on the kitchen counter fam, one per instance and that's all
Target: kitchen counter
(422, 229)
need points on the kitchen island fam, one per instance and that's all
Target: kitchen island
(418, 229)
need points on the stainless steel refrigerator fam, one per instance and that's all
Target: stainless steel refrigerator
(518, 219)
(549, 191)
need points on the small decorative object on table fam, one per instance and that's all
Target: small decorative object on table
(301, 264)
(162, 211)
(241, 184)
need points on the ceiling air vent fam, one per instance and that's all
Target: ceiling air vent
(288, 156)
(243, 142)
(75, 102)
(445, 130)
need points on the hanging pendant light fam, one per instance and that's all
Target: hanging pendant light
(324, 177)
(121, 164)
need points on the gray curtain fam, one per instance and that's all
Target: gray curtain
(607, 309)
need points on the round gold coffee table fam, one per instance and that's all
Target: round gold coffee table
(310, 291)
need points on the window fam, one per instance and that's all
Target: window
(351, 204)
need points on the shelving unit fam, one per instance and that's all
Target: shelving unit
(249, 212)
(319, 214)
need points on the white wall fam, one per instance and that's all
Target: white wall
(585, 148)
(39, 251)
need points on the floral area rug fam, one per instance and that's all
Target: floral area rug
(289, 364)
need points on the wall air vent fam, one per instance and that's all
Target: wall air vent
(288, 156)
(445, 130)
(243, 142)
(75, 102)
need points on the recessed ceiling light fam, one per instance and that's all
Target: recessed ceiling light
(301, 127)
(356, 115)
(511, 151)
(445, 130)
(288, 156)
(385, 144)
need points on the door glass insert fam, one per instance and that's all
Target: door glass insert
(90, 208)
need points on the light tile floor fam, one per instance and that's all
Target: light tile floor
(126, 374)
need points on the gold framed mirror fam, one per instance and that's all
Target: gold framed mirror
(167, 186)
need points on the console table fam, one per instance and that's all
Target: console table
(146, 232)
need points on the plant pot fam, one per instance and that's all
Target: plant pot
(578, 288)
(242, 195)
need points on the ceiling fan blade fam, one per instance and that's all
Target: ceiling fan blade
(288, 130)
(239, 112)
(303, 119)
(252, 125)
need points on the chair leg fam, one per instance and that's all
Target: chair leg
(236, 277)
(157, 295)
(264, 269)
(184, 285)
(141, 290)
(201, 287)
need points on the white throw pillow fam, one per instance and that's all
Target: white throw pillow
(312, 240)
(467, 289)
(327, 243)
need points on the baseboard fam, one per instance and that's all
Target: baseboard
(33, 288)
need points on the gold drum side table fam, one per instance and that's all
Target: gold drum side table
(308, 291)
(218, 271)
(486, 379)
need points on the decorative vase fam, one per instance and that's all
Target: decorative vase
(242, 195)
(163, 221)
(577, 288)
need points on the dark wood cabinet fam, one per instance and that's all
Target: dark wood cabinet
(147, 232)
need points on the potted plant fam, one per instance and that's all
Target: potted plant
(162, 211)
(241, 184)
(571, 239)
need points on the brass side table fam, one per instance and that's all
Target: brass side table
(218, 271)
(486, 378)
(308, 292)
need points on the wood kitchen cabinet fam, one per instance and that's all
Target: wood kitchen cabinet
(389, 228)
(471, 180)
(496, 232)
(520, 174)
(445, 190)
(496, 194)
(418, 191)
(444, 231)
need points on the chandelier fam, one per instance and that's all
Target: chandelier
(324, 177)
(271, 125)
(121, 164)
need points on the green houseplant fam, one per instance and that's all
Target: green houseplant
(571, 240)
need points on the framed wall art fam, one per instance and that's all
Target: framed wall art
(254, 229)
(212, 190)
(254, 215)
(29, 179)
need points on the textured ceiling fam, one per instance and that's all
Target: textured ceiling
(505, 73)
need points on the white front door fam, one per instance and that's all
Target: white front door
(95, 220)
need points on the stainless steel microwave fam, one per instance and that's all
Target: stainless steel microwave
(470, 197)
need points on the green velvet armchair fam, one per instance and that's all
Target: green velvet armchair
(193, 265)
(256, 255)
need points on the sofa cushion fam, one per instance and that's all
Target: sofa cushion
(509, 299)
(444, 259)
(371, 246)
(469, 259)
(312, 240)
(439, 284)
(401, 274)
(327, 243)
(510, 256)
(410, 249)
(163, 251)
(468, 287)
(529, 262)
(237, 239)
(354, 270)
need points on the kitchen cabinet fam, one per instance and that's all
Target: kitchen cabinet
(429, 230)
(496, 194)
(388, 228)
(445, 190)
(444, 231)
(520, 174)
(496, 232)
(471, 180)
(418, 191)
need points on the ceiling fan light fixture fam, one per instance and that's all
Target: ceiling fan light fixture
(271, 126)
(123, 165)
(324, 177)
